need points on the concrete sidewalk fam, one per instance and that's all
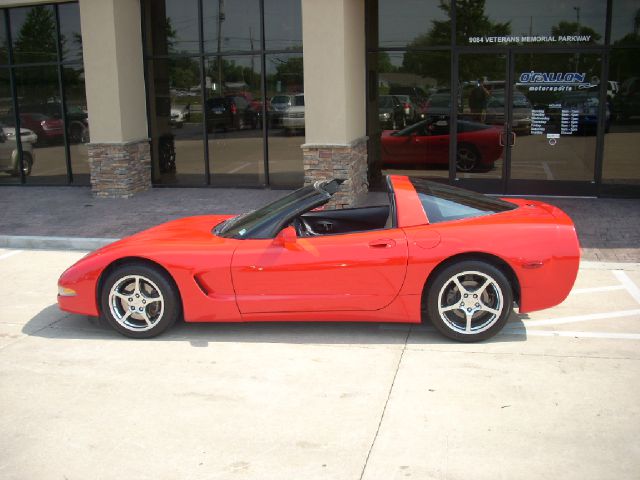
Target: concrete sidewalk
(609, 229)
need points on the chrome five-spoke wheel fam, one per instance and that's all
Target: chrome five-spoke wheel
(139, 300)
(136, 303)
(469, 301)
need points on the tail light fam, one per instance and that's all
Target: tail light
(234, 109)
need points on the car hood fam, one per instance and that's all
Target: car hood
(189, 231)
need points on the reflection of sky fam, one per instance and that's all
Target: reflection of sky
(241, 26)
(400, 21)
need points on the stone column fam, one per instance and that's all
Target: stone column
(334, 88)
(119, 156)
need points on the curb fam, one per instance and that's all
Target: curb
(53, 243)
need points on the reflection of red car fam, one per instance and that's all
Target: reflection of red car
(427, 142)
(432, 251)
(48, 129)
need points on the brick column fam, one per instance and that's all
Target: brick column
(118, 170)
(346, 162)
(334, 95)
(114, 80)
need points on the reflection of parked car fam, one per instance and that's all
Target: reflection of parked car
(438, 104)
(77, 121)
(520, 113)
(278, 105)
(293, 117)
(179, 115)
(9, 160)
(626, 103)
(586, 103)
(427, 142)
(391, 113)
(231, 112)
(48, 129)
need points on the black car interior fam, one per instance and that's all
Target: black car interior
(347, 220)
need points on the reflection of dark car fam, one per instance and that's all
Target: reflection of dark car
(626, 103)
(231, 112)
(587, 104)
(391, 112)
(438, 104)
(427, 142)
(520, 113)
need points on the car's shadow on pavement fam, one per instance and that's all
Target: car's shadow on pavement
(55, 324)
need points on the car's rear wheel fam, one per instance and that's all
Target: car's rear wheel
(467, 158)
(139, 300)
(469, 301)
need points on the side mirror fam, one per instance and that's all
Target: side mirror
(286, 237)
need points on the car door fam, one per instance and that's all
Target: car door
(355, 271)
(410, 148)
(6, 150)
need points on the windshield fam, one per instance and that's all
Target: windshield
(242, 225)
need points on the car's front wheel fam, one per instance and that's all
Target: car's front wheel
(469, 301)
(139, 300)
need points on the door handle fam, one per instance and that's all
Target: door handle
(382, 243)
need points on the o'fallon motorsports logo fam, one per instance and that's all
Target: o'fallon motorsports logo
(553, 81)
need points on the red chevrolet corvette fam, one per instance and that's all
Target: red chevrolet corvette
(427, 143)
(431, 251)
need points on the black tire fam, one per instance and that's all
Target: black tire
(469, 319)
(155, 304)
(467, 157)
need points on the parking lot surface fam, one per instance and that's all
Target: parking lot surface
(555, 395)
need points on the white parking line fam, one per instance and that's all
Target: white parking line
(628, 284)
(547, 171)
(237, 169)
(558, 333)
(598, 289)
(9, 254)
(581, 318)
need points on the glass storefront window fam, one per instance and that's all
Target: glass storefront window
(233, 117)
(413, 113)
(622, 137)
(33, 31)
(219, 126)
(625, 23)
(175, 118)
(522, 22)
(39, 111)
(413, 23)
(286, 114)
(70, 36)
(9, 170)
(282, 24)
(4, 55)
(77, 122)
(231, 25)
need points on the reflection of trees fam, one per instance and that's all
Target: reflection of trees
(471, 20)
(574, 28)
(232, 73)
(36, 42)
(290, 74)
(625, 62)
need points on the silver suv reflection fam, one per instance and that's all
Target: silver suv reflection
(9, 162)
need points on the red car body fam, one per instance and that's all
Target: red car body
(375, 275)
(48, 129)
(426, 143)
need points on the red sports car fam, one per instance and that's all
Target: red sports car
(427, 143)
(431, 251)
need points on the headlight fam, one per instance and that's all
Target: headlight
(386, 116)
(66, 292)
